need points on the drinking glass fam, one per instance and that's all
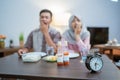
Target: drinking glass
(83, 59)
(50, 50)
(84, 54)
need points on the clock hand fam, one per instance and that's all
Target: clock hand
(96, 60)
(95, 65)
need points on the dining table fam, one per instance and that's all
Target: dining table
(12, 66)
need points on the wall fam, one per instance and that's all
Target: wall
(18, 16)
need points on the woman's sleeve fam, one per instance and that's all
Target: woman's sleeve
(84, 46)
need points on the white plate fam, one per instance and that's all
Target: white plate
(38, 53)
(73, 55)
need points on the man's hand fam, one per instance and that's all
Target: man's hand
(44, 27)
(22, 51)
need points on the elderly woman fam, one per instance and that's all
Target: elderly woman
(77, 36)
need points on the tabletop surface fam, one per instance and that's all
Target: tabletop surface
(13, 66)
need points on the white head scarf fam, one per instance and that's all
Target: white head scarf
(69, 34)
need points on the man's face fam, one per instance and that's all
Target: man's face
(45, 18)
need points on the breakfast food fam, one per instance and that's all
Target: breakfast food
(50, 58)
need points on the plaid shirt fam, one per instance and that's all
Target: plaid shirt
(54, 36)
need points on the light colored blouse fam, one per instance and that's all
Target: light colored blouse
(81, 46)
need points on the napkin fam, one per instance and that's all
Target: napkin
(30, 57)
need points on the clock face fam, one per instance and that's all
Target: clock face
(96, 64)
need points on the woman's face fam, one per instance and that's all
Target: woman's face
(76, 23)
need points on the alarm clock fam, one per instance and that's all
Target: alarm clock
(94, 62)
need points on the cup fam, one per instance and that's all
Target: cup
(50, 50)
(114, 41)
(83, 59)
(109, 42)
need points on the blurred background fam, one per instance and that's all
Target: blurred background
(22, 16)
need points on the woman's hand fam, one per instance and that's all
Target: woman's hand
(77, 31)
